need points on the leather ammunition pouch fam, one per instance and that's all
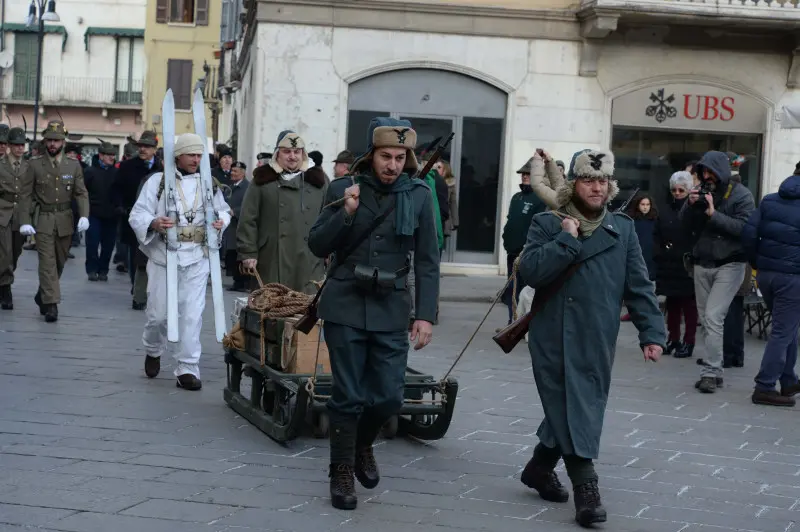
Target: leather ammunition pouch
(192, 234)
(374, 281)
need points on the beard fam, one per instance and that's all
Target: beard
(590, 211)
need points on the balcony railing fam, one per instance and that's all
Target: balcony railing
(96, 91)
(775, 11)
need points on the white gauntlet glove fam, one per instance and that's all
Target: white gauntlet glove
(27, 230)
(83, 225)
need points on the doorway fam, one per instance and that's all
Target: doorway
(438, 103)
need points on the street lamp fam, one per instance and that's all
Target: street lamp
(44, 16)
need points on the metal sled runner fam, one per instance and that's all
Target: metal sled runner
(285, 400)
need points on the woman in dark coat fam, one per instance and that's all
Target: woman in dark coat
(672, 280)
(645, 215)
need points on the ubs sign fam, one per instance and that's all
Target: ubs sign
(689, 107)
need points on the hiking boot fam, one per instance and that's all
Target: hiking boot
(102, 277)
(343, 488)
(366, 469)
(152, 366)
(708, 384)
(545, 482)
(138, 306)
(93, 277)
(771, 398)
(187, 381)
(6, 301)
(588, 507)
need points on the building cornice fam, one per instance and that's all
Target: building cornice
(556, 24)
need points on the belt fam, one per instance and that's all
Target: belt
(193, 234)
(711, 264)
(55, 207)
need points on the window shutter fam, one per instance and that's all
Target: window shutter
(201, 17)
(161, 11)
(186, 84)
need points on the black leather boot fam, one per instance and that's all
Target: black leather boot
(6, 301)
(588, 507)
(366, 467)
(51, 314)
(342, 482)
(539, 474)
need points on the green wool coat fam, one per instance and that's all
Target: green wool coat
(276, 216)
(572, 340)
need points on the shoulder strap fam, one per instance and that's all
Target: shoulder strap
(339, 260)
(378, 220)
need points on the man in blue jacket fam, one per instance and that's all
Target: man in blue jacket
(771, 239)
(714, 215)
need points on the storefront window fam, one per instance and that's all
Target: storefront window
(647, 158)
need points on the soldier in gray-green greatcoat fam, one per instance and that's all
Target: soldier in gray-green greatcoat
(57, 179)
(15, 196)
(366, 303)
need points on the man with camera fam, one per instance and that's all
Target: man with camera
(715, 214)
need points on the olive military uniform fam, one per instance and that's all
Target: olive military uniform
(15, 196)
(56, 182)
(366, 303)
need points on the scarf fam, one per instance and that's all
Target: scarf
(586, 226)
(404, 203)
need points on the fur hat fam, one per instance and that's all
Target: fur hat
(385, 132)
(591, 164)
(188, 144)
(289, 139)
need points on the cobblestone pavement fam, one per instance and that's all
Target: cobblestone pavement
(88, 443)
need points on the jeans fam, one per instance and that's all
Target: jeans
(677, 307)
(714, 290)
(100, 239)
(733, 332)
(782, 296)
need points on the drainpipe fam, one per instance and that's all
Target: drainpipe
(2, 26)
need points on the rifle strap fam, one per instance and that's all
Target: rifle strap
(544, 294)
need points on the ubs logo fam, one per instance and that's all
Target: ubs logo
(662, 107)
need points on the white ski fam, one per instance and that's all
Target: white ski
(168, 132)
(212, 239)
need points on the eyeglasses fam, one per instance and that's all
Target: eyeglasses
(679, 190)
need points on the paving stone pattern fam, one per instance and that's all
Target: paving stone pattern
(89, 444)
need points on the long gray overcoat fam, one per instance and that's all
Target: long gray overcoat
(572, 340)
(276, 216)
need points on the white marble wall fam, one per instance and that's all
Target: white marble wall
(305, 71)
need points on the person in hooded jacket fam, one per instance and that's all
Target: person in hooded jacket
(771, 240)
(715, 214)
